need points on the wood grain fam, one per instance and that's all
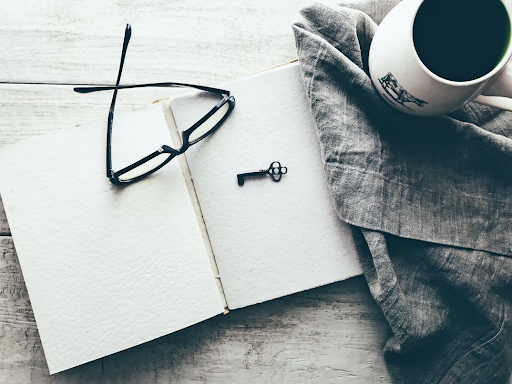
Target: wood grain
(202, 41)
(332, 334)
(33, 110)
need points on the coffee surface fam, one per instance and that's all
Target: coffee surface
(461, 40)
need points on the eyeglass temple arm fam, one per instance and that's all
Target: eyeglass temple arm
(127, 35)
(170, 85)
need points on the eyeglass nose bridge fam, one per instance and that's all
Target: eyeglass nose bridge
(167, 149)
(228, 101)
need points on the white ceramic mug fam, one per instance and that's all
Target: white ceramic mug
(405, 82)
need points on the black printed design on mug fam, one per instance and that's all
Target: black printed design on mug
(397, 92)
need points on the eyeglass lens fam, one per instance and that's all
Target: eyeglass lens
(146, 167)
(209, 125)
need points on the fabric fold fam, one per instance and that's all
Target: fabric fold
(445, 180)
(432, 200)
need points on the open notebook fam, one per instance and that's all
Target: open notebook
(110, 267)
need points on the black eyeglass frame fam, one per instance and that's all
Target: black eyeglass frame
(185, 135)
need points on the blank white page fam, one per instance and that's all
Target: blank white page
(269, 239)
(106, 267)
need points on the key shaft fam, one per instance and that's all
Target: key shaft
(241, 176)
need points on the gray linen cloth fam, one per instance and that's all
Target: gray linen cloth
(432, 198)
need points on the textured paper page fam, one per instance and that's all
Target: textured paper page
(106, 267)
(270, 239)
(176, 138)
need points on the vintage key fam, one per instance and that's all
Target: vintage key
(275, 171)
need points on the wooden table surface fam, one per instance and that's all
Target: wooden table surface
(332, 334)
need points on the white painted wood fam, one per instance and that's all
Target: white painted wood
(33, 110)
(330, 334)
(4, 225)
(181, 40)
(303, 338)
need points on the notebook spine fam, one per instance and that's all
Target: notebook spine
(171, 123)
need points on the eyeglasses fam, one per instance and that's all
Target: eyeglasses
(156, 160)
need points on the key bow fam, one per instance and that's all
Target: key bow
(276, 171)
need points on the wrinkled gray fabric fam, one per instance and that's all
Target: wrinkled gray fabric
(432, 197)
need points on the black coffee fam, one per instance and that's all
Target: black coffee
(461, 40)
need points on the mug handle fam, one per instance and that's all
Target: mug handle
(498, 93)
